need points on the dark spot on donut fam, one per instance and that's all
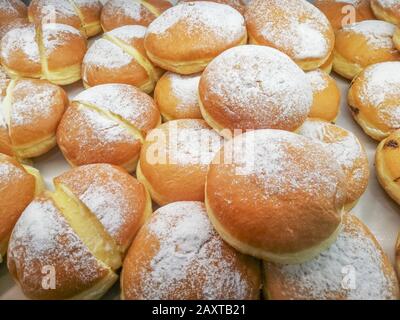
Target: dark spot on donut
(397, 180)
(355, 110)
(392, 144)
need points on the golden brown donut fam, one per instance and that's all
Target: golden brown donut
(355, 267)
(119, 57)
(177, 255)
(11, 10)
(276, 195)
(83, 15)
(177, 96)
(77, 235)
(374, 99)
(254, 87)
(326, 94)
(387, 10)
(239, 5)
(29, 116)
(344, 12)
(362, 44)
(347, 150)
(294, 27)
(107, 124)
(52, 51)
(118, 13)
(387, 161)
(185, 38)
(174, 160)
(18, 185)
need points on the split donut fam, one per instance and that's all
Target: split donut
(254, 87)
(77, 234)
(174, 160)
(119, 13)
(278, 196)
(18, 186)
(107, 124)
(374, 99)
(177, 96)
(347, 150)
(119, 57)
(52, 51)
(294, 27)
(185, 38)
(29, 116)
(83, 15)
(388, 165)
(177, 255)
(356, 256)
(362, 44)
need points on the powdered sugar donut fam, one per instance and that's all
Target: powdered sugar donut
(343, 12)
(83, 15)
(175, 158)
(276, 195)
(18, 186)
(326, 96)
(119, 57)
(362, 44)
(185, 38)
(118, 13)
(374, 99)
(294, 27)
(30, 113)
(177, 96)
(107, 124)
(388, 10)
(353, 268)
(348, 152)
(77, 234)
(177, 255)
(254, 87)
(52, 51)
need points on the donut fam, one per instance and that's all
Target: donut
(11, 10)
(254, 87)
(177, 255)
(326, 96)
(177, 96)
(185, 38)
(174, 160)
(29, 116)
(396, 38)
(294, 27)
(239, 5)
(374, 99)
(276, 195)
(52, 51)
(77, 235)
(362, 44)
(354, 268)
(107, 124)
(345, 147)
(83, 15)
(388, 165)
(18, 186)
(343, 12)
(387, 10)
(119, 57)
(118, 13)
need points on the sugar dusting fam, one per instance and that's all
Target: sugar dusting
(261, 85)
(318, 80)
(185, 89)
(293, 26)
(323, 276)
(189, 250)
(128, 33)
(55, 35)
(202, 18)
(9, 173)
